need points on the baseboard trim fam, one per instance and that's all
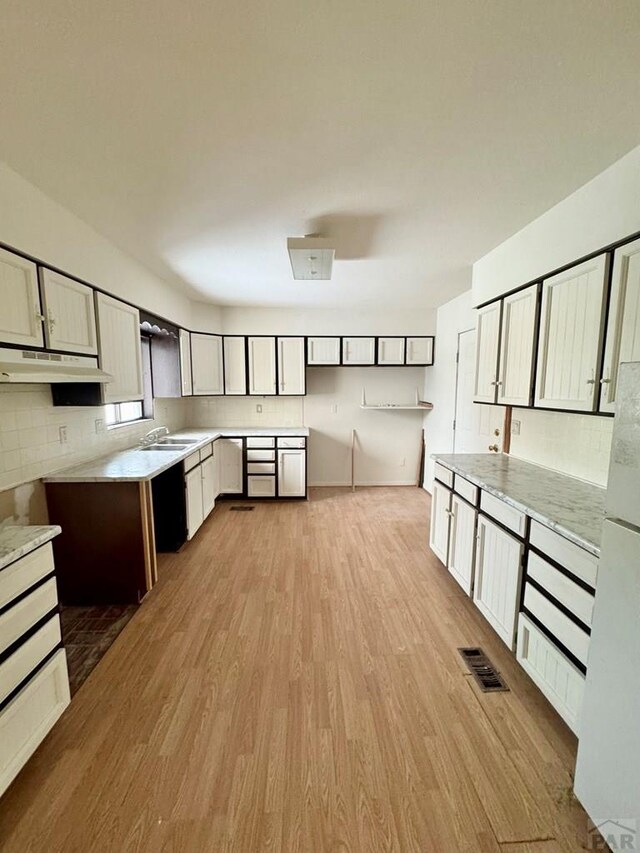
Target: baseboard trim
(358, 484)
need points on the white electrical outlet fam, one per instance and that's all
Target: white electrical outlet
(515, 427)
(63, 434)
(259, 408)
(334, 409)
(403, 462)
(99, 425)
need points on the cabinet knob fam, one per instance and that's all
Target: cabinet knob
(605, 381)
(494, 448)
(591, 381)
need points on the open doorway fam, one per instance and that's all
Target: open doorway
(476, 428)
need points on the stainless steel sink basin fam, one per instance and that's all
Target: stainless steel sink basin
(172, 447)
(179, 441)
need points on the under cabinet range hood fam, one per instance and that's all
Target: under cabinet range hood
(32, 366)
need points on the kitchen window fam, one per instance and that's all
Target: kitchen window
(123, 413)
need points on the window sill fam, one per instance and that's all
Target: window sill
(137, 422)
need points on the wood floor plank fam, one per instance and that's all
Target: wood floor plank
(292, 683)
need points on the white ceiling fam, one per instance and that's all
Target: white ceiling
(199, 135)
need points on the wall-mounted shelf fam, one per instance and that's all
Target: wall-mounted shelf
(418, 405)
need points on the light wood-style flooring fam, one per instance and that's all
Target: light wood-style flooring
(293, 684)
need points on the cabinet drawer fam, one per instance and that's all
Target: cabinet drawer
(261, 468)
(19, 618)
(25, 658)
(206, 452)
(261, 456)
(443, 474)
(291, 441)
(465, 489)
(560, 681)
(502, 512)
(567, 632)
(19, 576)
(575, 559)
(568, 593)
(261, 441)
(31, 715)
(261, 487)
(191, 461)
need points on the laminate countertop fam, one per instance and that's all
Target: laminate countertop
(16, 541)
(135, 465)
(570, 506)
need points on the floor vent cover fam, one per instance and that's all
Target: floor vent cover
(241, 508)
(484, 672)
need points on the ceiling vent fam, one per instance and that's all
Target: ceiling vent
(311, 258)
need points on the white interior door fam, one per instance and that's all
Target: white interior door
(475, 425)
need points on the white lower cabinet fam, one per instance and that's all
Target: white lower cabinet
(560, 681)
(194, 501)
(230, 465)
(34, 683)
(440, 515)
(462, 541)
(292, 476)
(261, 486)
(207, 470)
(498, 574)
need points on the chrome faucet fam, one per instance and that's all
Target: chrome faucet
(154, 435)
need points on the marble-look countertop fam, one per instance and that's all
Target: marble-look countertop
(572, 507)
(134, 465)
(16, 540)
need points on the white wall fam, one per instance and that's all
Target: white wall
(603, 211)
(316, 321)
(440, 386)
(571, 443)
(33, 223)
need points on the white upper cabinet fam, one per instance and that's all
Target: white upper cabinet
(570, 333)
(487, 343)
(206, 364)
(262, 365)
(390, 351)
(623, 329)
(291, 367)
(20, 314)
(235, 365)
(358, 350)
(515, 372)
(419, 351)
(119, 349)
(69, 310)
(322, 351)
(186, 383)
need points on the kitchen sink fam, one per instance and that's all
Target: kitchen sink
(179, 441)
(172, 447)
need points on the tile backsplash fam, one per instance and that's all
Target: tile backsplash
(574, 444)
(243, 411)
(30, 445)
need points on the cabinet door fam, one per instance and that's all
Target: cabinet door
(195, 507)
(390, 351)
(623, 328)
(20, 314)
(462, 542)
(291, 367)
(321, 351)
(487, 344)
(570, 333)
(235, 365)
(515, 375)
(216, 469)
(119, 349)
(208, 474)
(230, 453)
(419, 351)
(498, 577)
(262, 366)
(70, 317)
(358, 350)
(206, 364)
(440, 514)
(292, 473)
(186, 383)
